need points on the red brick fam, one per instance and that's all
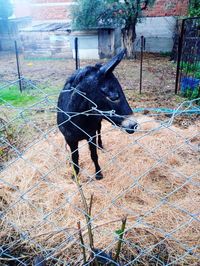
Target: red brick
(168, 8)
(50, 13)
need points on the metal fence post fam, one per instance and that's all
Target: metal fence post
(76, 52)
(18, 67)
(141, 60)
(180, 45)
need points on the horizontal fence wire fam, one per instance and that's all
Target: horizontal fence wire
(151, 179)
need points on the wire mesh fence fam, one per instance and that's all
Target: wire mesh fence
(145, 211)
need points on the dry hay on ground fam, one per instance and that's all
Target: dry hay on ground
(151, 176)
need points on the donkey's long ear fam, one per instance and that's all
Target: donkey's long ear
(110, 66)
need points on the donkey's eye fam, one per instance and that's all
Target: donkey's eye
(110, 95)
(105, 91)
(113, 96)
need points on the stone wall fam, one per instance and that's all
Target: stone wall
(55, 45)
(9, 33)
(59, 44)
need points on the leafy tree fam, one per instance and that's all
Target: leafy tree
(127, 13)
(88, 14)
(194, 8)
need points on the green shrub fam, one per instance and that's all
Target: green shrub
(194, 8)
(192, 94)
(192, 69)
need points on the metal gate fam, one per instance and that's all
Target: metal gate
(188, 61)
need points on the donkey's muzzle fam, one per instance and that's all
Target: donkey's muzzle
(131, 129)
(129, 125)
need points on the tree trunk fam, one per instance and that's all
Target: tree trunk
(128, 37)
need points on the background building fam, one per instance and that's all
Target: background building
(53, 17)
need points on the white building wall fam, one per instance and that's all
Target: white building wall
(158, 32)
(87, 44)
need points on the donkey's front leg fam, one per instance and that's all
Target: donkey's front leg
(100, 145)
(94, 156)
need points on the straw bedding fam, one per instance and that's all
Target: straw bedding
(151, 176)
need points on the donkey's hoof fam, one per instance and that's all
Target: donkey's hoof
(100, 146)
(99, 176)
(74, 178)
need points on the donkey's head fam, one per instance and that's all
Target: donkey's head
(105, 91)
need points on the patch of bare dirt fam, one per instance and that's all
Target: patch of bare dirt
(158, 81)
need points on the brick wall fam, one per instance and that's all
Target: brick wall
(168, 8)
(51, 10)
(51, 13)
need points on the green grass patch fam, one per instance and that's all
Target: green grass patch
(13, 96)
